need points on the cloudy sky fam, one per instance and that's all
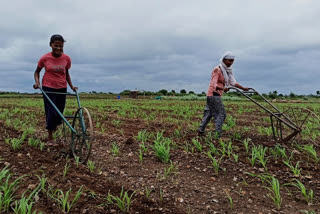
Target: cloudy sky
(164, 44)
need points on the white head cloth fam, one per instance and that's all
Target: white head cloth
(229, 79)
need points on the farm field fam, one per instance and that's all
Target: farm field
(147, 158)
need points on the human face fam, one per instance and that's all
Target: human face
(57, 48)
(228, 62)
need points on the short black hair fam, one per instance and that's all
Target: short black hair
(56, 37)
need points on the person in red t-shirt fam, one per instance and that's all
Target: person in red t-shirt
(55, 79)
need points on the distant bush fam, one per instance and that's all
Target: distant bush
(196, 97)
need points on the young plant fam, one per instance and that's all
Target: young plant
(41, 146)
(160, 195)
(280, 152)
(253, 156)
(147, 192)
(213, 149)
(142, 136)
(310, 150)
(260, 153)
(307, 195)
(236, 136)
(235, 157)
(7, 190)
(230, 200)
(123, 202)
(63, 199)
(91, 165)
(77, 158)
(161, 148)
(115, 149)
(172, 169)
(215, 163)
(186, 147)
(144, 147)
(24, 205)
(140, 156)
(34, 142)
(16, 143)
(66, 168)
(197, 144)
(229, 149)
(116, 122)
(223, 147)
(246, 144)
(275, 191)
(42, 183)
(295, 169)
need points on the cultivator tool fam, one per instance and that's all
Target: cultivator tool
(290, 123)
(81, 130)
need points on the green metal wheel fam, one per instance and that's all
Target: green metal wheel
(83, 136)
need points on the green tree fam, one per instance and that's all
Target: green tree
(163, 91)
(125, 92)
(292, 95)
(182, 91)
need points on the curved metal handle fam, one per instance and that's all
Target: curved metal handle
(242, 91)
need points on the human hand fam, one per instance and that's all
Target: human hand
(36, 85)
(226, 89)
(74, 88)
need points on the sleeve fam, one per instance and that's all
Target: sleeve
(41, 62)
(68, 63)
(214, 79)
(232, 80)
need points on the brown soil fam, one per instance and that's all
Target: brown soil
(194, 188)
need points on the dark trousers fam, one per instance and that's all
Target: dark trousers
(53, 119)
(215, 109)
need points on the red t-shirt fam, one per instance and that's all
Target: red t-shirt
(55, 74)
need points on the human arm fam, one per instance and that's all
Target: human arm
(69, 81)
(37, 78)
(241, 87)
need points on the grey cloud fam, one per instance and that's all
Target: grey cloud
(117, 45)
